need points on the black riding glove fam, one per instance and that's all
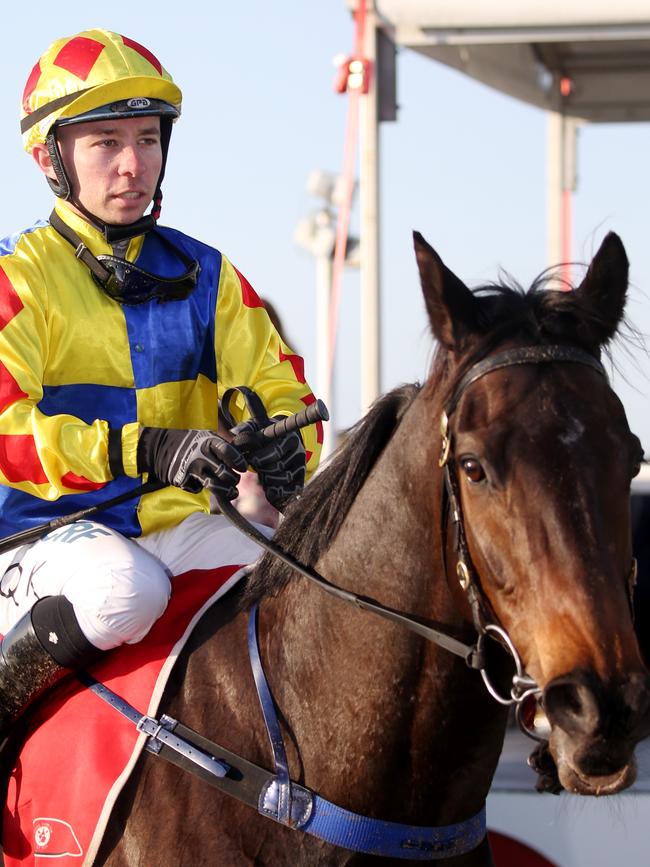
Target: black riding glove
(191, 460)
(279, 463)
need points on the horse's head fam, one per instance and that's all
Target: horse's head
(543, 457)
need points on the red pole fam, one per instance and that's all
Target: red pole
(356, 83)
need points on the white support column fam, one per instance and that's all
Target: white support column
(554, 188)
(325, 382)
(569, 184)
(369, 217)
(561, 184)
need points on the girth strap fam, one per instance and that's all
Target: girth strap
(277, 796)
(298, 807)
(157, 730)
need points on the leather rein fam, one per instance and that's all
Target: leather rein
(522, 686)
(274, 794)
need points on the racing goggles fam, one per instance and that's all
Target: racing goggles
(125, 282)
(129, 284)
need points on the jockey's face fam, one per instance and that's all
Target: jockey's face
(113, 166)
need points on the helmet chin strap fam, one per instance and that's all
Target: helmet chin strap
(113, 232)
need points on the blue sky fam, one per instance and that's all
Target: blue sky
(464, 165)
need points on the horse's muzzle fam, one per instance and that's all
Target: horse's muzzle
(595, 727)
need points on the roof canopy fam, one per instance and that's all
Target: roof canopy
(601, 49)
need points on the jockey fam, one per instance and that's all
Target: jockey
(118, 337)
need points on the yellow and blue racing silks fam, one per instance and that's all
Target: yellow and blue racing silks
(75, 364)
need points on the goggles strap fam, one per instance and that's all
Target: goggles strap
(163, 288)
(49, 108)
(80, 250)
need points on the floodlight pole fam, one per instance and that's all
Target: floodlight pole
(561, 184)
(324, 376)
(369, 221)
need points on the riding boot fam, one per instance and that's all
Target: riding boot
(42, 647)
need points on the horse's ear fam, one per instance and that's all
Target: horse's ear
(452, 308)
(604, 288)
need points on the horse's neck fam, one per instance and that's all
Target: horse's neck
(389, 698)
(388, 544)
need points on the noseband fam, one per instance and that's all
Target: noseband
(523, 686)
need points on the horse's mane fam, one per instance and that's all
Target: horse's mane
(313, 519)
(541, 315)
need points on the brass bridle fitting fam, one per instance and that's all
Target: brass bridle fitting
(445, 446)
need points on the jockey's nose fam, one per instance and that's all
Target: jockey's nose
(130, 161)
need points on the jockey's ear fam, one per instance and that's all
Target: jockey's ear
(453, 310)
(43, 160)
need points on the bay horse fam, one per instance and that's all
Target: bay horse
(530, 495)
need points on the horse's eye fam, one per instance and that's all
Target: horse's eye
(472, 469)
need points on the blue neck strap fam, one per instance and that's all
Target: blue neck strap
(298, 807)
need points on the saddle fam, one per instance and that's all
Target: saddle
(55, 807)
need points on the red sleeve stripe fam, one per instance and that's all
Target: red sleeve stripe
(10, 303)
(297, 363)
(19, 460)
(80, 483)
(249, 296)
(10, 391)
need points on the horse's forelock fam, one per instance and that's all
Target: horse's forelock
(548, 312)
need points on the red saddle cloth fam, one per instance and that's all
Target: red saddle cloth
(79, 751)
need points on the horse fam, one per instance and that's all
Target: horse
(492, 498)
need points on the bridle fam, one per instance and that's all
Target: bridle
(275, 794)
(523, 687)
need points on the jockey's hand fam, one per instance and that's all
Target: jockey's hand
(279, 463)
(191, 460)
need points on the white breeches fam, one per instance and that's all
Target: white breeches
(118, 586)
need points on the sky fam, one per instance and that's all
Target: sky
(463, 164)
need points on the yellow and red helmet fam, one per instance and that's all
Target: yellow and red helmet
(97, 69)
(96, 75)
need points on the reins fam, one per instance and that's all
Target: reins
(522, 685)
(310, 415)
(274, 794)
(468, 652)
(474, 655)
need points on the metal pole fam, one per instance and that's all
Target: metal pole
(325, 381)
(369, 218)
(569, 183)
(554, 188)
(561, 184)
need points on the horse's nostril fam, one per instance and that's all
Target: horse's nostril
(571, 705)
(563, 696)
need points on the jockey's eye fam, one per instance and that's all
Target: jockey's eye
(472, 469)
